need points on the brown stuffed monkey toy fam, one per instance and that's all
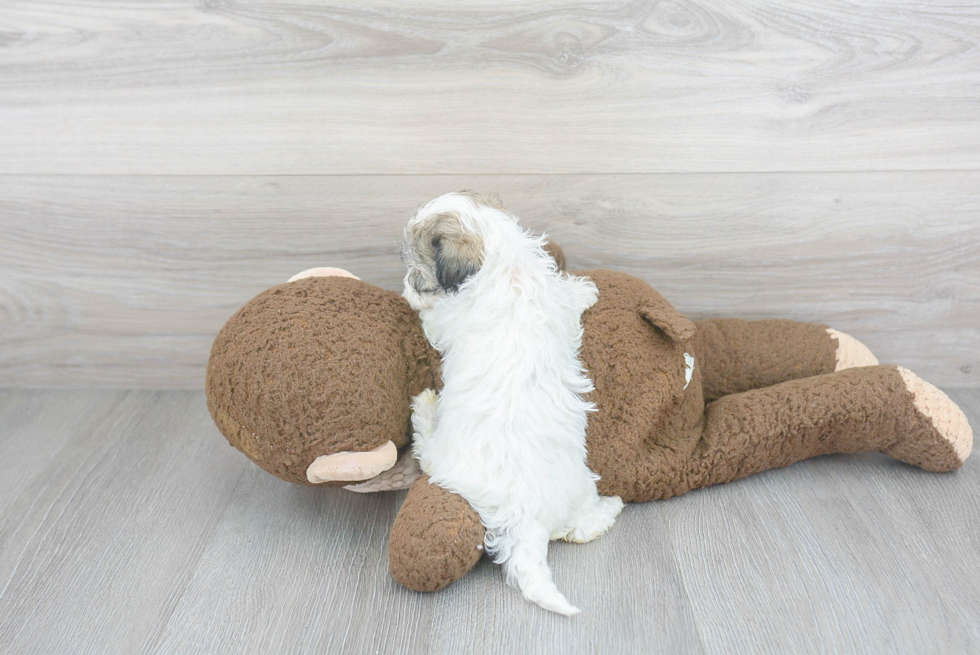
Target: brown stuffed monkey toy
(312, 380)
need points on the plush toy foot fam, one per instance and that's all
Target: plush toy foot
(946, 438)
(851, 353)
(592, 522)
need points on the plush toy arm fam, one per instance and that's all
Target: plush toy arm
(737, 355)
(436, 539)
(877, 408)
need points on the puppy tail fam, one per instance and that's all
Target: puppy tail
(523, 552)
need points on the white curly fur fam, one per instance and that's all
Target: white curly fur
(507, 432)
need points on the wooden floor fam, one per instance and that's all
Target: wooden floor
(128, 525)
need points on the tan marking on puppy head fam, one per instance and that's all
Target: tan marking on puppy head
(440, 253)
(492, 200)
(557, 254)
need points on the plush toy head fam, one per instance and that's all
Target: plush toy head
(312, 380)
(317, 367)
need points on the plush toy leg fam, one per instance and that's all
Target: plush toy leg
(737, 355)
(436, 539)
(875, 408)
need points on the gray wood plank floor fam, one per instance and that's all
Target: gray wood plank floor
(127, 525)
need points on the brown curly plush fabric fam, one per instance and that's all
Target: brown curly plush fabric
(736, 359)
(437, 537)
(324, 365)
(856, 410)
(314, 367)
(633, 348)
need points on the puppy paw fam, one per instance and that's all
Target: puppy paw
(594, 521)
(424, 409)
(586, 293)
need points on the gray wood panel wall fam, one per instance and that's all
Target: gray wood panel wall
(164, 162)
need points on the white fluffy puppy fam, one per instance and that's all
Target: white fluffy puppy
(507, 432)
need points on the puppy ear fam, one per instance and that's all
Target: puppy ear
(458, 252)
(456, 260)
(557, 254)
(494, 201)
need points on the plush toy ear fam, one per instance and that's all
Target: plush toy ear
(662, 315)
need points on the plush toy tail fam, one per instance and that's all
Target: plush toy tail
(523, 552)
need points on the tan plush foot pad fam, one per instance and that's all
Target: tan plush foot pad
(399, 476)
(851, 353)
(946, 416)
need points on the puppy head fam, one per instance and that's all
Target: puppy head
(441, 249)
